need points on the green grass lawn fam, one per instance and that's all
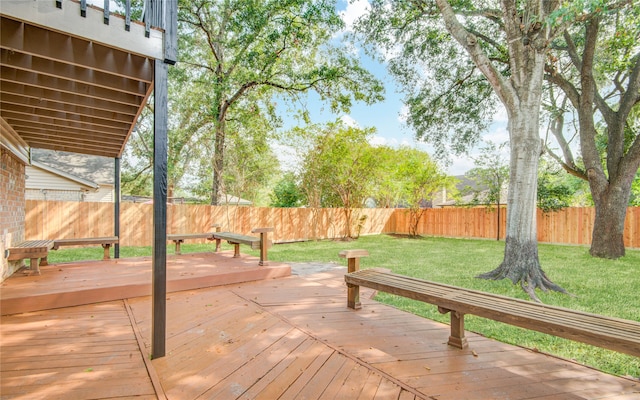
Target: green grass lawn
(608, 287)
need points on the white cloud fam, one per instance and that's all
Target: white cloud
(498, 134)
(287, 155)
(350, 121)
(355, 9)
(378, 141)
(501, 115)
(460, 165)
(403, 114)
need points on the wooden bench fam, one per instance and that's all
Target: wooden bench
(597, 330)
(256, 243)
(105, 242)
(33, 250)
(180, 238)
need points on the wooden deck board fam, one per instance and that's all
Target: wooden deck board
(291, 338)
(71, 353)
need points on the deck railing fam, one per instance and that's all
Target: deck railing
(152, 12)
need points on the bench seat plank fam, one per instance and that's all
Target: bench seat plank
(187, 236)
(607, 332)
(106, 242)
(110, 240)
(179, 238)
(252, 241)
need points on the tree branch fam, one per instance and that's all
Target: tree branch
(470, 43)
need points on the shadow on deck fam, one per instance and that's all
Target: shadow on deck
(288, 338)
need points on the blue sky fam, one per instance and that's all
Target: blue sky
(387, 116)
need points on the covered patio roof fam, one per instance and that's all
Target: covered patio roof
(73, 83)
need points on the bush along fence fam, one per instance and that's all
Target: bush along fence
(65, 220)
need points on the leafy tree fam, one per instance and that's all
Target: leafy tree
(243, 51)
(507, 45)
(249, 166)
(596, 64)
(137, 160)
(419, 179)
(186, 128)
(491, 175)
(387, 189)
(339, 170)
(554, 191)
(286, 192)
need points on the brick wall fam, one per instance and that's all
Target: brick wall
(12, 208)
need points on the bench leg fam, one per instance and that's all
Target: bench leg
(236, 250)
(263, 249)
(44, 262)
(353, 296)
(457, 338)
(106, 247)
(177, 242)
(217, 245)
(34, 265)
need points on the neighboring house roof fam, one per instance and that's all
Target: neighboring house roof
(95, 169)
(71, 177)
(464, 184)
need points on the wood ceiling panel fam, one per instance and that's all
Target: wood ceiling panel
(35, 131)
(63, 85)
(67, 98)
(54, 69)
(93, 144)
(60, 92)
(10, 101)
(57, 116)
(29, 39)
(56, 124)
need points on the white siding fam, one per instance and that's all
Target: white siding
(40, 179)
(103, 195)
(53, 195)
(44, 185)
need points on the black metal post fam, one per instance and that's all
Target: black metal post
(159, 275)
(116, 207)
(164, 15)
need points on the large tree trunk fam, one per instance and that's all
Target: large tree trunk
(521, 263)
(218, 165)
(610, 200)
(521, 94)
(610, 190)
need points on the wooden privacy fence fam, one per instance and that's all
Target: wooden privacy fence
(58, 220)
(572, 225)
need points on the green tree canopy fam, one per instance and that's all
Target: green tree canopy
(339, 170)
(245, 51)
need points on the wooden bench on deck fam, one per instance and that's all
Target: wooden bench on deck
(597, 330)
(179, 238)
(33, 250)
(105, 242)
(256, 243)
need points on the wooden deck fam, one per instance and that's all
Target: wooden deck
(289, 338)
(71, 284)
